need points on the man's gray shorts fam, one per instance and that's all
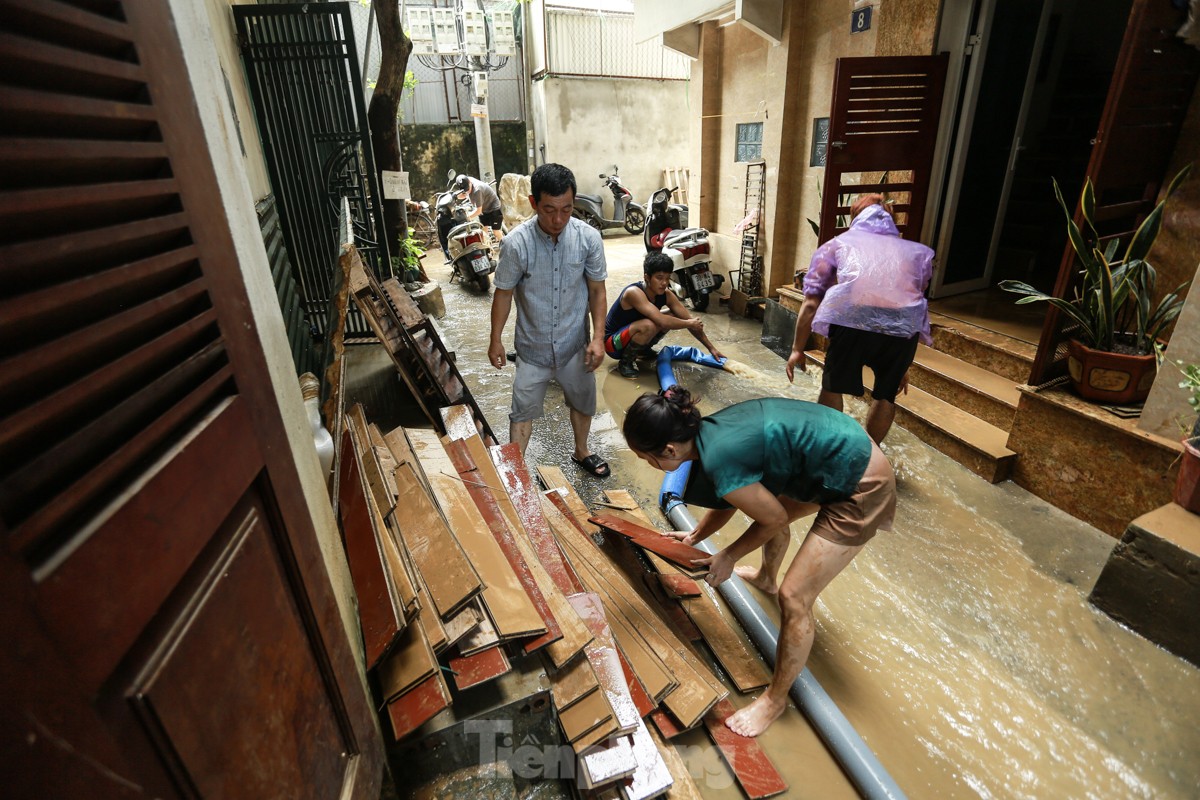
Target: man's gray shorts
(529, 388)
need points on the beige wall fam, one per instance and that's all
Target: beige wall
(200, 50)
(640, 125)
(221, 27)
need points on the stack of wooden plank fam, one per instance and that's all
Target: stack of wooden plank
(462, 564)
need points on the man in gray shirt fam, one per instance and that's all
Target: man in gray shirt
(553, 265)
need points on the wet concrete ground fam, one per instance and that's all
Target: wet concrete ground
(961, 645)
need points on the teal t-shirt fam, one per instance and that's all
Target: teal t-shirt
(806, 451)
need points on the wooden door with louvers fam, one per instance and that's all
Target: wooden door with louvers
(1153, 82)
(883, 126)
(169, 625)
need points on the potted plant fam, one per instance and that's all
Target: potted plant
(1113, 323)
(1187, 485)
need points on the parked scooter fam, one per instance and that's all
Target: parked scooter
(667, 230)
(469, 245)
(626, 214)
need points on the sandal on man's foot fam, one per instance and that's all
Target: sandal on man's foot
(593, 464)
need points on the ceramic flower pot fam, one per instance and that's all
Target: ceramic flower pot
(1187, 485)
(1110, 377)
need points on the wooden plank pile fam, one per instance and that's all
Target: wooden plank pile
(461, 564)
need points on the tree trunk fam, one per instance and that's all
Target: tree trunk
(383, 115)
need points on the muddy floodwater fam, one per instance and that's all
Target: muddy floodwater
(961, 645)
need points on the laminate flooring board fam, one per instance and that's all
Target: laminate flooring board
(459, 421)
(624, 506)
(413, 709)
(646, 664)
(680, 555)
(435, 631)
(679, 586)
(462, 623)
(698, 688)
(743, 666)
(526, 500)
(641, 699)
(652, 777)
(489, 506)
(667, 725)
(683, 786)
(605, 661)
(753, 769)
(572, 683)
(595, 737)
(482, 637)
(683, 623)
(439, 557)
(472, 670)
(356, 421)
(511, 610)
(587, 714)
(380, 613)
(411, 661)
(610, 762)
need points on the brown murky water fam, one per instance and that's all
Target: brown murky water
(961, 646)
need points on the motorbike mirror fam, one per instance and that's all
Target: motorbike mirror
(602, 176)
(616, 169)
(451, 175)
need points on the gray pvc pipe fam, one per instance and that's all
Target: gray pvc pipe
(851, 752)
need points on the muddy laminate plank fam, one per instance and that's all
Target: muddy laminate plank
(680, 555)
(462, 623)
(472, 670)
(595, 737)
(527, 500)
(356, 420)
(482, 637)
(413, 709)
(751, 766)
(698, 689)
(488, 503)
(683, 786)
(679, 585)
(637, 691)
(459, 421)
(588, 714)
(603, 655)
(439, 557)
(743, 666)
(381, 616)
(572, 683)
(510, 609)
(625, 506)
(611, 761)
(411, 661)
(667, 725)
(652, 776)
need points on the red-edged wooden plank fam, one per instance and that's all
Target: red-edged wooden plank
(667, 725)
(378, 616)
(478, 668)
(683, 623)
(641, 698)
(518, 482)
(488, 508)
(673, 550)
(753, 770)
(602, 653)
(413, 709)
(679, 585)
(560, 503)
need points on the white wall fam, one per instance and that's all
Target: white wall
(640, 125)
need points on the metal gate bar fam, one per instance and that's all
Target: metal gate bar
(302, 69)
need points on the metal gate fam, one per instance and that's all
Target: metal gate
(302, 68)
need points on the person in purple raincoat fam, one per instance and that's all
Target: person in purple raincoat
(865, 291)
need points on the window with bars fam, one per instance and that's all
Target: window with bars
(749, 141)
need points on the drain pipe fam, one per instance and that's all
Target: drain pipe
(851, 752)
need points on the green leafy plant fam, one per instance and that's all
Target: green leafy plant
(1112, 308)
(1190, 382)
(408, 262)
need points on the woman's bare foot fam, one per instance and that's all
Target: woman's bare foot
(756, 717)
(753, 576)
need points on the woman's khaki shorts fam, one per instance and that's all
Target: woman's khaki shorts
(871, 508)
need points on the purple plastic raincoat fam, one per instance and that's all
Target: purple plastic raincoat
(871, 279)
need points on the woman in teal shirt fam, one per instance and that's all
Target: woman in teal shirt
(775, 460)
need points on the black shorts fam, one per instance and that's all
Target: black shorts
(850, 349)
(492, 219)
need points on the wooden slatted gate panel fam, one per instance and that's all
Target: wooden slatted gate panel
(168, 621)
(884, 119)
(1153, 82)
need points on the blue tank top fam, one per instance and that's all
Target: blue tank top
(619, 317)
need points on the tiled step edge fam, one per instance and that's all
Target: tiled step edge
(986, 395)
(994, 352)
(972, 442)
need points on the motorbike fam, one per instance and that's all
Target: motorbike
(626, 214)
(667, 231)
(469, 245)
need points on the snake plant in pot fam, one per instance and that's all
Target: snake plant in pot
(1112, 320)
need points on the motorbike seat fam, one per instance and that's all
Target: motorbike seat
(593, 198)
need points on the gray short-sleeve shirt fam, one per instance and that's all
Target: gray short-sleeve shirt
(549, 282)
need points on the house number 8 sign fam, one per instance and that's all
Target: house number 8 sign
(860, 19)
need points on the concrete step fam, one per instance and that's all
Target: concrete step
(977, 445)
(986, 395)
(1003, 355)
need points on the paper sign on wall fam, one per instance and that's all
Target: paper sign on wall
(479, 110)
(395, 185)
